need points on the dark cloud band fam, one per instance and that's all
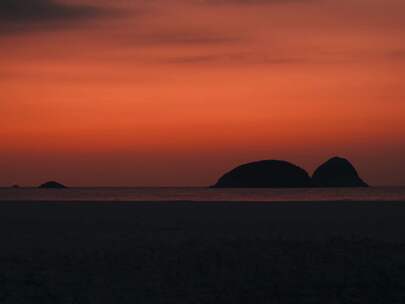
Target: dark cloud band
(28, 15)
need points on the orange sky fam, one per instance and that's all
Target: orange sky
(157, 92)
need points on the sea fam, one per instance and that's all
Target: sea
(195, 194)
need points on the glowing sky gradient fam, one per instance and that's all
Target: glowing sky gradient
(157, 92)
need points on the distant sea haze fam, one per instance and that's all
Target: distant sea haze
(191, 194)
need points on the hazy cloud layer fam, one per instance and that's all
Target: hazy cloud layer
(180, 38)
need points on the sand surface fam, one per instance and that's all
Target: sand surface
(56, 252)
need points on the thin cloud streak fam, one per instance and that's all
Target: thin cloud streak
(255, 2)
(231, 59)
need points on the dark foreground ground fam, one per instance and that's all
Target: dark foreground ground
(202, 253)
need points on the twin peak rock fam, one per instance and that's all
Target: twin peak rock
(336, 172)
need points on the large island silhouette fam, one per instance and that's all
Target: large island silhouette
(265, 174)
(336, 172)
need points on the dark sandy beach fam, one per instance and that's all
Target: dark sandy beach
(330, 252)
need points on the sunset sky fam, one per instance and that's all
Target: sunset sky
(175, 92)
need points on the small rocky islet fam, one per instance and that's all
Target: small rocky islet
(52, 185)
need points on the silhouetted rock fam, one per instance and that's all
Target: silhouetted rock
(15, 186)
(337, 172)
(52, 185)
(265, 174)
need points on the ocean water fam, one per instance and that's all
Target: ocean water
(204, 194)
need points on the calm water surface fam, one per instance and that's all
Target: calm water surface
(203, 194)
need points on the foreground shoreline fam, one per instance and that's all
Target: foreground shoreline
(182, 252)
(384, 220)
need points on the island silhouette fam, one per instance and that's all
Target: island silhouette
(52, 185)
(265, 174)
(336, 172)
